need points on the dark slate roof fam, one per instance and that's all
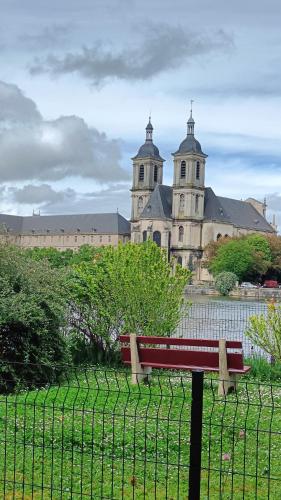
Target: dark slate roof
(236, 212)
(159, 205)
(189, 145)
(148, 150)
(54, 224)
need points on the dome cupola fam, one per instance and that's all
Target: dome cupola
(148, 149)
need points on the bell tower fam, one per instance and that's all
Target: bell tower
(189, 177)
(147, 173)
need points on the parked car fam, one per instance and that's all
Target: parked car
(270, 284)
(247, 284)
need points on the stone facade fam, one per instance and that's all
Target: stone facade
(185, 217)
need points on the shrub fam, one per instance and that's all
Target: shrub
(32, 310)
(265, 331)
(132, 288)
(225, 282)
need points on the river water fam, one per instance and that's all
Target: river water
(216, 317)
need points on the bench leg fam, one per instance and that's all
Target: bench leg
(137, 370)
(227, 382)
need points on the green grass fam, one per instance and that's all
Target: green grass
(97, 436)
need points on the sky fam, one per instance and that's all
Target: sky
(78, 81)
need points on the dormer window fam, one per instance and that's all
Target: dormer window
(141, 173)
(183, 169)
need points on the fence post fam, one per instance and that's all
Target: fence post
(196, 435)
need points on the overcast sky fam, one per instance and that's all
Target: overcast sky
(78, 80)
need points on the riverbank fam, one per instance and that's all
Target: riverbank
(239, 293)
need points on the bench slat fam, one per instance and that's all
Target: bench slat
(180, 357)
(230, 344)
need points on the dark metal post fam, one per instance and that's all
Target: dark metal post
(196, 435)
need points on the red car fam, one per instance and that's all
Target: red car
(270, 284)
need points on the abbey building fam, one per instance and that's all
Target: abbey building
(185, 217)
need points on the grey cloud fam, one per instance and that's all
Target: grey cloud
(48, 37)
(164, 48)
(117, 197)
(52, 150)
(44, 193)
(15, 107)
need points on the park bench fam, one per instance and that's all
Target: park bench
(145, 353)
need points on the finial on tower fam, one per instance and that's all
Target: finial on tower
(191, 122)
(149, 130)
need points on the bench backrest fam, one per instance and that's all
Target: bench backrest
(166, 355)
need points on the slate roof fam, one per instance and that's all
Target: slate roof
(189, 145)
(57, 224)
(159, 205)
(148, 150)
(236, 212)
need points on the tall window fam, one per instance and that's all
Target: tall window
(155, 173)
(181, 202)
(157, 238)
(140, 203)
(198, 170)
(141, 173)
(181, 233)
(183, 169)
(144, 235)
(196, 203)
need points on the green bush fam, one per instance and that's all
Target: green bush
(265, 331)
(131, 288)
(32, 311)
(225, 282)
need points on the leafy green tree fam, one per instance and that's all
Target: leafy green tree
(235, 256)
(131, 288)
(32, 311)
(225, 282)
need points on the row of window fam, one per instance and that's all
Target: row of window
(219, 236)
(182, 203)
(155, 173)
(80, 239)
(183, 170)
(157, 236)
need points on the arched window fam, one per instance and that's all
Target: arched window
(155, 173)
(196, 203)
(198, 170)
(179, 259)
(181, 202)
(144, 235)
(218, 237)
(226, 236)
(157, 238)
(181, 233)
(141, 173)
(183, 169)
(140, 203)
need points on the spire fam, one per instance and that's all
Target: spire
(149, 130)
(191, 122)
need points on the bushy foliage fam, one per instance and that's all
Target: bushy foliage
(32, 311)
(64, 258)
(265, 331)
(225, 282)
(249, 257)
(131, 288)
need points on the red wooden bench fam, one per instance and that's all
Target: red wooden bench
(145, 353)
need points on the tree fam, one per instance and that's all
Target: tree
(225, 282)
(265, 331)
(249, 257)
(32, 311)
(234, 256)
(131, 288)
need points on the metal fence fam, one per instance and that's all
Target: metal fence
(94, 435)
(217, 319)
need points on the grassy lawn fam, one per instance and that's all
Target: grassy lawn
(96, 436)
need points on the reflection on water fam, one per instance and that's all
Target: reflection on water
(215, 318)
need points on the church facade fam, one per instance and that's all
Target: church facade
(185, 217)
